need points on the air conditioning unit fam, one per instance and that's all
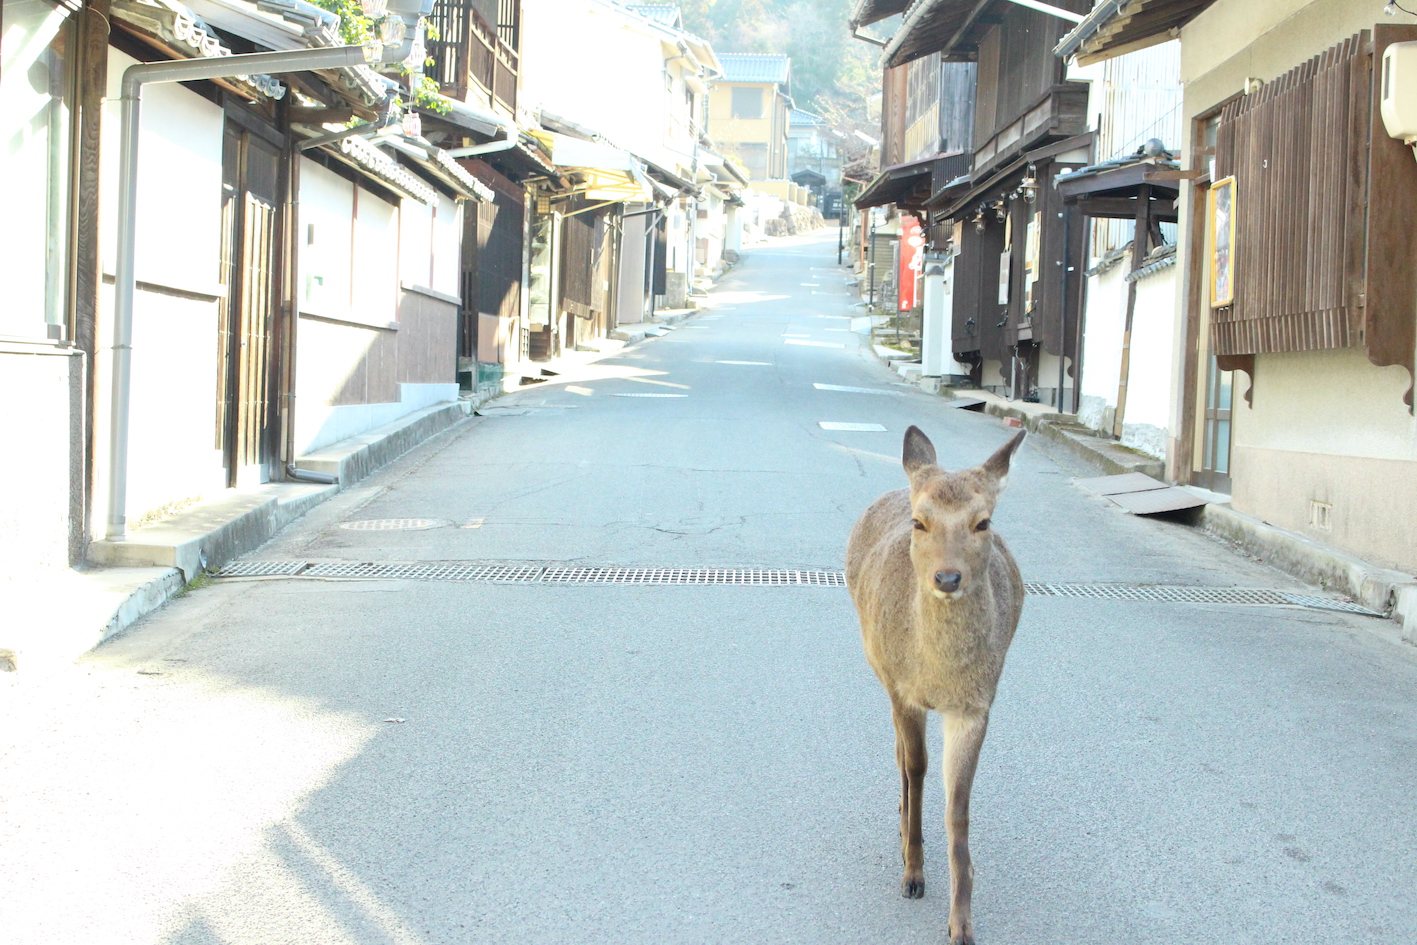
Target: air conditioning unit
(1399, 91)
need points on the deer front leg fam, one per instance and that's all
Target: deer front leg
(911, 758)
(964, 736)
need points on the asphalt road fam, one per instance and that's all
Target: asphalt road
(410, 762)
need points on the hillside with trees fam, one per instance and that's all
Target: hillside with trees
(831, 73)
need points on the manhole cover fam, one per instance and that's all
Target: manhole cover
(391, 524)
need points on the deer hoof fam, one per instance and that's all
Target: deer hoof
(964, 936)
(913, 887)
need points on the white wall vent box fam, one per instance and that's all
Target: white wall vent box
(1399, 91)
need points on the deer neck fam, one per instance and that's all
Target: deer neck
(952, 619)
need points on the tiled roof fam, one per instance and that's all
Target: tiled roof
(798, 116)
(663, 13)
(754, 67)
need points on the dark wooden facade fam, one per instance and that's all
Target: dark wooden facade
(491, 261)
(1322, 206)
(1028, 125)
(477, 49)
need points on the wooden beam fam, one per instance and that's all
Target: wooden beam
(1140, 234)
(86, 262)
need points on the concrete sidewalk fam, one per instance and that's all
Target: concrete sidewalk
(56, 615)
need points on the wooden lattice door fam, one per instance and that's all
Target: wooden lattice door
(250, 222)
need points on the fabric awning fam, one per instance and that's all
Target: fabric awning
(607, 173)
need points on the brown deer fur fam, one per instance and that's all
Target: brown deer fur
(939, 597)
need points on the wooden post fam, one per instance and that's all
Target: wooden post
(92, 65)
(1141, 234)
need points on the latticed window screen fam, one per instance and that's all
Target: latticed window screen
(1297, 150)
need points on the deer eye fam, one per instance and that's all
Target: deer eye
(982, 526)
(919, 525)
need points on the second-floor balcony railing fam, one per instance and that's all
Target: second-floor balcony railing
(470, 58)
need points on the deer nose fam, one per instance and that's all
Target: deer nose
(948, 581)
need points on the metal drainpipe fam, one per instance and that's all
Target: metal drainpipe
(134, 79)
(504, 144)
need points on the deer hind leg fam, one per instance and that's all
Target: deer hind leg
(964, 736)
(911, 758)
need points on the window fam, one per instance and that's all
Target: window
(35, 85)
(754, 156)
(747, 103)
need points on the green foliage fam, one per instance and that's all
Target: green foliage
(354, 27)
(831, 72)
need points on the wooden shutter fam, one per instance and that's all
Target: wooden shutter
(1296, 150)
(1323, 218)
(577, 250)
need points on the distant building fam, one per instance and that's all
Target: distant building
(748, 112)
(814, 156)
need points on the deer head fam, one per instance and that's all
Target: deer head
(950, 515)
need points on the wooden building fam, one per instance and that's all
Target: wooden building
(1297, 294)
(1013, 250)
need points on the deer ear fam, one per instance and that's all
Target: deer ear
(997, 466)
(917, 452)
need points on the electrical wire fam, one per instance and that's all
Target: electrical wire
(1393, 3)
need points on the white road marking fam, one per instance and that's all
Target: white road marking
(649, 395)
(851, 427)
(859, 390)
(814, 344)
(763, 363)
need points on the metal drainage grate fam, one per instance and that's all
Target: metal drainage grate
(261, 569)
(748, 576)
(760, 577)
(505, 574)
(484, 574)
(391, 524)
(1194, 595)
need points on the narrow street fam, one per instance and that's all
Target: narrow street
(305, 760)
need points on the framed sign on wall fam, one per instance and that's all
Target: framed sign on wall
(1222, 236)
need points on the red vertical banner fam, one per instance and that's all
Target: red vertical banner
(910, 243)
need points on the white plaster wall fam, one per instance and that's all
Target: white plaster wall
(179, 184)
(1326, 402)
(34, 520)
(318, 425)
(364, 247)
(623, 96)
(429, 242)
(1102, 346)
(172, 452)
(447, 245)
(1150, 383)
(327, 240)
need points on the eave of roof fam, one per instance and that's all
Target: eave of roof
(931, 26)
(755, 67)
(894, 183)
(866, 12)
(1115, 27)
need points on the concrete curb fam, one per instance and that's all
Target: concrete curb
(351, 460)
(209, 534)
(1381, 589)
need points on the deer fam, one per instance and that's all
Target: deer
(939, 598)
